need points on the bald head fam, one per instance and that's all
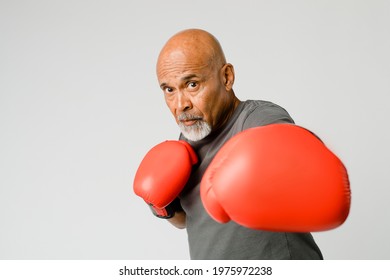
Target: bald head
(196, 46)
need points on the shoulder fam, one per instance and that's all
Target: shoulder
(260, 112)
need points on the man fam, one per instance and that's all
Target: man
(197, 83)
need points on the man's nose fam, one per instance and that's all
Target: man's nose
(183, 102)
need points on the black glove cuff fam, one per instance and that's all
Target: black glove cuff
(167, 212)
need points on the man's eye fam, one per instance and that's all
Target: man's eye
(168, 89)
(193, 84)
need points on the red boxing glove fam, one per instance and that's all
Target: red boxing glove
(278, 177)
(162, 175)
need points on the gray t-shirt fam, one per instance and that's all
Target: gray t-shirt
(209, 239)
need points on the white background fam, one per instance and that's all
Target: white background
(80, 106)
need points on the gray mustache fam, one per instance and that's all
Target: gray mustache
(188, 117)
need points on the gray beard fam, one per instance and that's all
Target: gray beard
(199, 130)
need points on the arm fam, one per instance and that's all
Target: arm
(179, 220)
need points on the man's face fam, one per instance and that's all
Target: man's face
(194, 92)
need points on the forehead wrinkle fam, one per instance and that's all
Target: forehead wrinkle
(180, 58)
(180, 70)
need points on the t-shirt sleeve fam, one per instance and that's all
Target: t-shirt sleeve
(267, 113)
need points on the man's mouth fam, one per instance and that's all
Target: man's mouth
(189, 122)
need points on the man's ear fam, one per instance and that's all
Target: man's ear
(227, 72)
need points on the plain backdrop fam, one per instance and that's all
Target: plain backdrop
(80, 106)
